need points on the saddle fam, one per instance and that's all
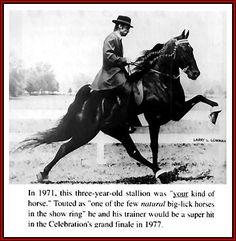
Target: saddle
(137, 88)
(135, 81)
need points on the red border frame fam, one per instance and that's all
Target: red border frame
(233, 2)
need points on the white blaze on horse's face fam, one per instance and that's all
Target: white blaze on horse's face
(186, 59)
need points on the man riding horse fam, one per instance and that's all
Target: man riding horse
(113, 74)
(107, 106)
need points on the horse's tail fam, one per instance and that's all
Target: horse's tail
(63, 130)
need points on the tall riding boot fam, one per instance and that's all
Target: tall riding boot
(132, 120)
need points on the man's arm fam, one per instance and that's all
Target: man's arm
(111, 55)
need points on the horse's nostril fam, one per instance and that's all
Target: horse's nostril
(196, 73)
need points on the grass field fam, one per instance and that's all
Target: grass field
(31, 114)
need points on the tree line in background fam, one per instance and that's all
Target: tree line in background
(207, 89)
(41, 79)
(37, 79)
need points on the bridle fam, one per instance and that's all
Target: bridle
(172, 55)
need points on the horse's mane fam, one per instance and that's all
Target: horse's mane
(147, 57)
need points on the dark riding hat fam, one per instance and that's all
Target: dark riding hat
(123, 20)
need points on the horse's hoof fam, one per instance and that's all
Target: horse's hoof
(214, 114)
(41, 177)
(160, 172)
(166, 176)
(158, 181)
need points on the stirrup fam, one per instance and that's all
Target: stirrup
(118, 100)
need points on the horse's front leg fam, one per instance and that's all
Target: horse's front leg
(199, 98)
(184, 108)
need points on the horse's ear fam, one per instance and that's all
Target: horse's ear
(181, 36)
(187, 34)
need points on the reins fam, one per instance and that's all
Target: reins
(155, 71)
(177, 42)
(167, 75)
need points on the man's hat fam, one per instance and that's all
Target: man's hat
(124, 20)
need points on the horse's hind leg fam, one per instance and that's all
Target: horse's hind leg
(63, 150)
(68, 147)
(123, 136)
(154, 134)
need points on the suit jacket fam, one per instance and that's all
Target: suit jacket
(112, 73)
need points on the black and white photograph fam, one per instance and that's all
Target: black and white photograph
(133, 95)
(118, 120)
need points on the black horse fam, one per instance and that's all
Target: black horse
(107, 110)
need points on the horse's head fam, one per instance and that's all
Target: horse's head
(184, 56)
(166, 59)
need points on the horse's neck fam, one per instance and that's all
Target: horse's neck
(167, 67)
